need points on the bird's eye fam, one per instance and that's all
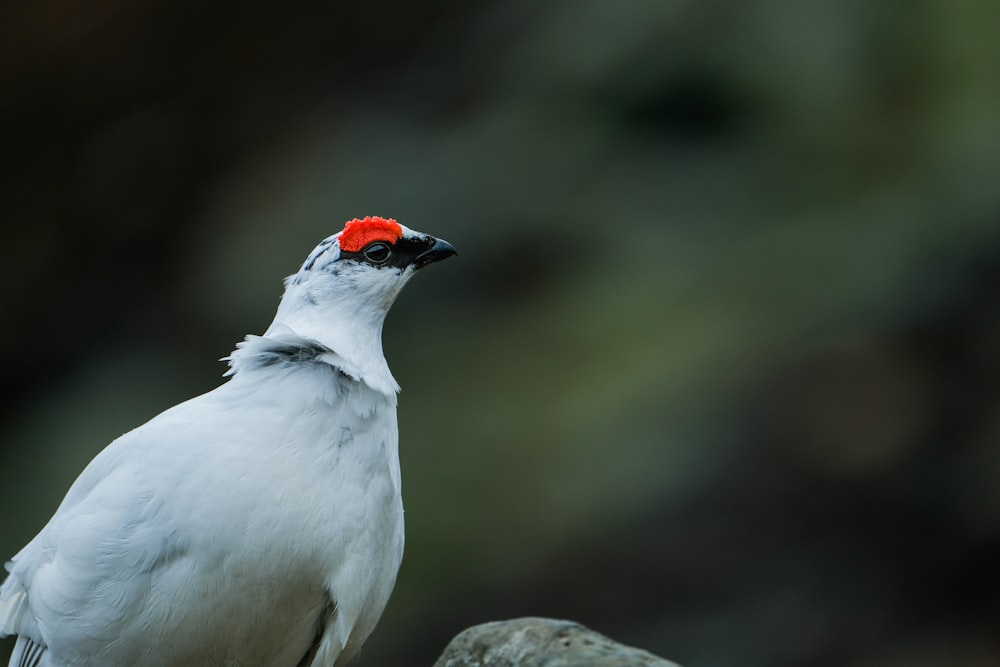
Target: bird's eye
(377, 252)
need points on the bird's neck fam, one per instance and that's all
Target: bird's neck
(341, 316)
(283, 346)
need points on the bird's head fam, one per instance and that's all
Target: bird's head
(342, 293)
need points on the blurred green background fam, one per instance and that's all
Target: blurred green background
(717, 371)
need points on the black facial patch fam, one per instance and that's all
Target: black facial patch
(403, 253)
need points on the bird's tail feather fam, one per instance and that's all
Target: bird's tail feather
(27, 654)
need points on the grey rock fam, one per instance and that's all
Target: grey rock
(540, 642)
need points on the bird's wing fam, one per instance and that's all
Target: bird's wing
(90, 567)
(16, 617)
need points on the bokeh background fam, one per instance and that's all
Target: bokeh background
(717, 371)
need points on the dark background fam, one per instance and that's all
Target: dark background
(717, 371)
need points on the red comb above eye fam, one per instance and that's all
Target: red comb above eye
(359, 233)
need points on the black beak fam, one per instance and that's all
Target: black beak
(438, 251)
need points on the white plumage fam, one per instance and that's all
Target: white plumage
(258, 524)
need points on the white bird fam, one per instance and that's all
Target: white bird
(260, 523)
